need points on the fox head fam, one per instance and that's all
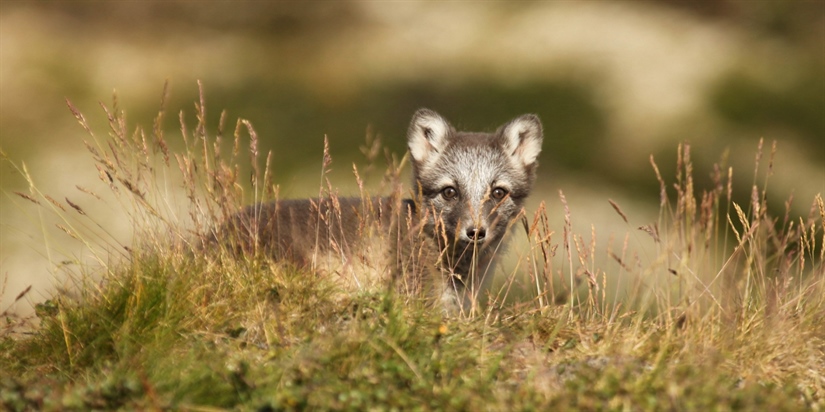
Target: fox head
(471, 185)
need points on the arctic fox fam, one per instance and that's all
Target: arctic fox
(468, 187)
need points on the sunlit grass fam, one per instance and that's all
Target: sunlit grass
(726, 312)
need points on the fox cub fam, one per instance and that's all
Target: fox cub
(468, 187)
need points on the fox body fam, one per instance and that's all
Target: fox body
(468, 188)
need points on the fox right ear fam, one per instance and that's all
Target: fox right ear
(522, 138)
(427, 135)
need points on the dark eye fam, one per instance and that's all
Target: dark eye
(499, 193)
(449, 192)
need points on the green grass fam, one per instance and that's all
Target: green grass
(726, 313)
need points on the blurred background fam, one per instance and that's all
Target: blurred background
(613, 82)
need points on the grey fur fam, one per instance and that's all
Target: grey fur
(441, 243)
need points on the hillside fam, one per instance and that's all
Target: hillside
(725, 310)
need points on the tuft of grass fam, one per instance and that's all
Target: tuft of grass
(716, 305)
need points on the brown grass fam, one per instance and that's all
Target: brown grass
(716, 305)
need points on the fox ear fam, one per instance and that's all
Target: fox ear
(427, 134)
(522, 138)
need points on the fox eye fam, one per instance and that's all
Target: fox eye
(449, 192)
(499, 193)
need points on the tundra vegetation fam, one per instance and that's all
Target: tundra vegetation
(724, 310)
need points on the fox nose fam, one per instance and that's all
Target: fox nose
(476, 234)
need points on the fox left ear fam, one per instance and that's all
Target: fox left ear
(427, 135)
(522, 138)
